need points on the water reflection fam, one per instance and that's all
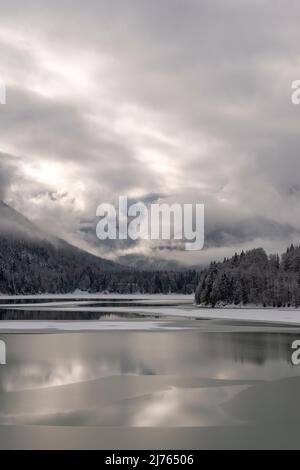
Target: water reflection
(142, 379)
(172, 372)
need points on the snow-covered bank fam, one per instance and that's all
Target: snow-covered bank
(289, 317)
(265, 315)
(163, 306)
(220, 305)
(87, 326)
(285, 317)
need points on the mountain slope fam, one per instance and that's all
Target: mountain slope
(32, 261)
(14, 224)
(146, 263)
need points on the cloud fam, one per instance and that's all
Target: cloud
(186, 100)
(7, 173)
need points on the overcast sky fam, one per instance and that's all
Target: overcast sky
(176, 100)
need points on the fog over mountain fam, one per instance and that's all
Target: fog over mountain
(147, 263)
(34, 262)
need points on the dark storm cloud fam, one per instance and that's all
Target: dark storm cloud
(185, 99)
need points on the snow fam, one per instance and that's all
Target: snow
(184, 308)
(284, 316)
(81, 326)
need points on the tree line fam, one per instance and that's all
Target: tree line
(30, 266)
(252, 277)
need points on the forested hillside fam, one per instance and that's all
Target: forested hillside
(34, 266)
(32, 262)
(252, 278)
(37, 266)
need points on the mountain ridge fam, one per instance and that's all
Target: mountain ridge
(17, 225)
(33, 262)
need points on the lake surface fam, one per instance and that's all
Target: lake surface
(80, 377)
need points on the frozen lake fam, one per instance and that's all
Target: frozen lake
(98, 312)
(146, 372)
